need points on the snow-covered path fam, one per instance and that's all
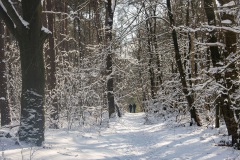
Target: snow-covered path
(128, 139)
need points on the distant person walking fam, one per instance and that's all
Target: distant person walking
(130, 108)
(134, 108)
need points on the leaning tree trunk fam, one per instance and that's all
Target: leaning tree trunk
(4, 105)
(189, 97)
(30, 36)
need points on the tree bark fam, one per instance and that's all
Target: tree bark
(4, 105)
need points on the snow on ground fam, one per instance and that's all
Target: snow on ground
(127, 138)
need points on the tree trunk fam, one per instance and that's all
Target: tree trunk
(231, 74)
(150, 46)
(109, 24)
(97, 17)
(33, 78)
(4, 106)
(30, 36)
(51, 69)
(223, 101)
(189, 97)
(217, 118)
(159, 73)
(32, 98)
(215, 55)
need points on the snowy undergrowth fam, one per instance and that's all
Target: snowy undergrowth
(128, 138)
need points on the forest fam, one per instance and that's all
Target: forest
(75, 63)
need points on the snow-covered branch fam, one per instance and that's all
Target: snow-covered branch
(11, 12)
(6, 18)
